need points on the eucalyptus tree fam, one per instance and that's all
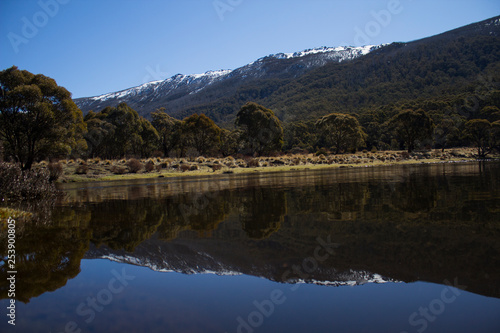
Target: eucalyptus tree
(38, 118)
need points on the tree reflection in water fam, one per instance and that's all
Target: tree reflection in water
(406, 223)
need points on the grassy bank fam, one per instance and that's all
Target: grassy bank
(129, 169)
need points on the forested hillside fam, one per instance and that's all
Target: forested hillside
(447, 69)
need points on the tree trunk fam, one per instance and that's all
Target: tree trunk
(28, 164)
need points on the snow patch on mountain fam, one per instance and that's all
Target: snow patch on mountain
(175, 81)
(348, 278)
(363, 50)
(165, 267)
(201, 81)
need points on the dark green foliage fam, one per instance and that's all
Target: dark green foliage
(118, 131)
(341, 131)
(168, 128)
(484, 135)
(261, 131)
(229, 142)
(201, 133)
(452, 78)
(447, 132)
(38, 118)
(301, 135)
(412, 127)
(149, 138)
(491, 113)
(461, 72)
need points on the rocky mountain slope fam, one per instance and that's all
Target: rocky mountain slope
(183, 91)
(318, 81)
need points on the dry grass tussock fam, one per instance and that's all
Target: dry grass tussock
(66, 170)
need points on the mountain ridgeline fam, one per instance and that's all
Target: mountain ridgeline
(449, 67)
(406, 223)
(182, 93)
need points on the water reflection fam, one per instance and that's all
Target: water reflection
(427, 223)
(47, 255)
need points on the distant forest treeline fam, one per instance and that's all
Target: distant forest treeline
(120, 131)
(440, 70)
(438, 94)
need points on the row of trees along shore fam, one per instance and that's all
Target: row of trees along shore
(39, 120)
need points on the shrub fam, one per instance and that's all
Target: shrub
(17, 185)
(81, 169)
(55, 171)
(322, 151)
(253, 163)
(150, 166)
(117, 170)
(185, 167)
(216, 167)
(134, 165)
(405, 154)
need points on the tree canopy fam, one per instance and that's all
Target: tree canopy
(412, 127)
(201, 133)
(484, 135)
(117, 131)
(168, 129)
(38, 118)
(261, 130)
(341, 131)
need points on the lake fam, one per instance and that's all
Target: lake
(384, 249)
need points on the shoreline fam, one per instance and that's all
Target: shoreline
(205, 167)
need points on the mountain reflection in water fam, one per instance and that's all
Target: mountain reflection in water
(406, 223)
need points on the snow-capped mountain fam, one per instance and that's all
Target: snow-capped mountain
(341, 53)
(172, 83)
(185, 259)
(181, 91)
(310, 83)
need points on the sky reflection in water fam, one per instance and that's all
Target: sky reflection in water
(418, 226)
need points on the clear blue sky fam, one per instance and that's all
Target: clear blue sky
(93, 47)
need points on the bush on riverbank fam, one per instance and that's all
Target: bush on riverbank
(97, 169)
(27, 196)
(17, 185)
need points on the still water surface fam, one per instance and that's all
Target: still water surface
(389, 249)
